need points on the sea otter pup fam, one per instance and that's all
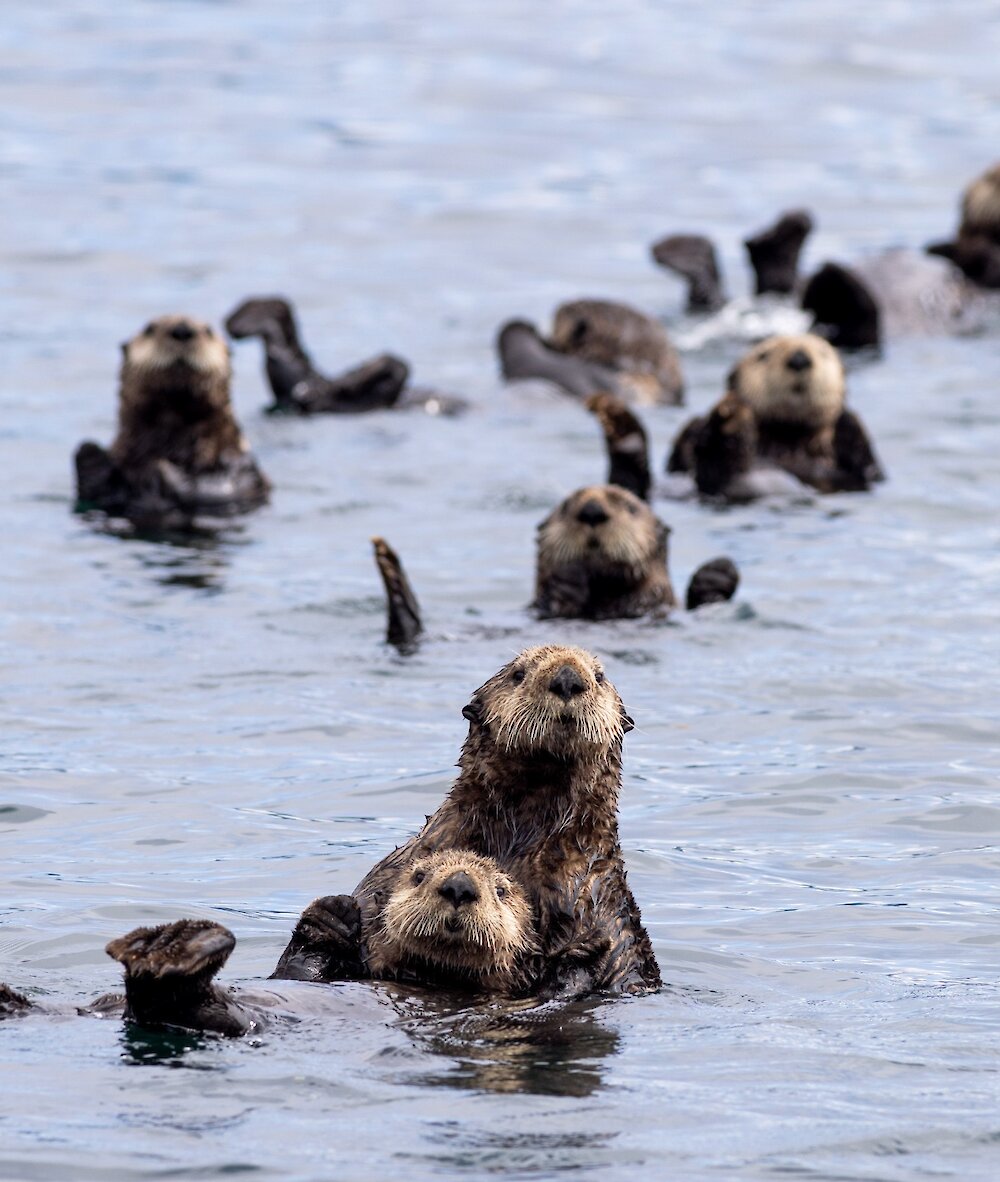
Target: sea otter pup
(540, 774)
(455, 920)
(595, 346)
(602, 555)
(179, 455)
(793, 387)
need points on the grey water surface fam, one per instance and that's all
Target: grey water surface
(810, 814)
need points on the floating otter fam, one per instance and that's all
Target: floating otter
(784, 409)
(602, 555)
(179, 455)
(376, 384)
(595, 346)
(538, 791)
(455, 920)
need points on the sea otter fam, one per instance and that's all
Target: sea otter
(455, 921)
(976, 249)
(602, 555)
(793, 388)
(540, 774)
(595, 346)
(377, 384)
(179, 455)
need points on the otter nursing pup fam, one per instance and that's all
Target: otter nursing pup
(179, 454)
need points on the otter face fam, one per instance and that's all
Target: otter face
(981, 206)
(175, 344)
(551, 700)
(798, 380)
(604, 527)
(458, 910)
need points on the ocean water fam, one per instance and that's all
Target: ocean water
(810, 811)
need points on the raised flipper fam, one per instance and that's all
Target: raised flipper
(844, 310)
(627, 442)
(373, 385)
(14, 1004)
(774, 252)
(725, 447)
(712, 582)
(681, 458)
(168, 978)
(693, 258)
(405, 624)
(857, 464)
(273, 320)
(326, 943)
(524, 355)
(99, 482)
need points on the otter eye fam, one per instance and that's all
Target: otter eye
(501, 892)
(418, 878)
(599, 676)
(517, 676)
(149, 329)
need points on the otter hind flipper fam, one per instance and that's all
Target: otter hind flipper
(843, 308)
(375, 384)
(681, 458)
(326, 943)
(774, 252)
(627, 442)
(712, 582)
(405, 624)
(725, 447)
(693, 257)
(857, 465)
(189, 947)
(99, 482)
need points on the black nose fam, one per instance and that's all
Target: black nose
(182, 332)
(458, 889)
(592, 513)
(799, 360)
(566, 683)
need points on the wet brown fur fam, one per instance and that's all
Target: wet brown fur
(622, 338)
(538, 791)
(602, 569)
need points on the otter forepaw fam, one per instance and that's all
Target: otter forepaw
(326, 943)
(187, 948)
(334, 920)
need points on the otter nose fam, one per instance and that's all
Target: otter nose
(458, 889)
(182, 331)
(567, 683)
(799, 360)
(592, 513)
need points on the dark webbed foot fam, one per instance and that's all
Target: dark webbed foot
(373, 385)
(857, 465)
(405, 624)
(326, 943)
(99, 483)
(774, 252)
(693, 258)
(844, 311)
(168, 977)
(14, 1004)
(627, 442)
(712, 582)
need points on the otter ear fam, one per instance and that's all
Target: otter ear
(124, 348)
(474, 711)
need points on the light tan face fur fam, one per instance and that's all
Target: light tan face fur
(158, 347)
(483, 934)
(553, 700)
(629, 537)
(981, 205)
(772, 380)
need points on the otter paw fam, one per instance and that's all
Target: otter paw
(187, 948)
(332, 921)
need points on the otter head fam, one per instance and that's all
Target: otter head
(550, 701)
(458, 910)
(605, 528)
(269, 317)
(177, 351)
(794, 380)
(981, 206)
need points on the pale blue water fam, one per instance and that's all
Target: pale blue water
(810, 811)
